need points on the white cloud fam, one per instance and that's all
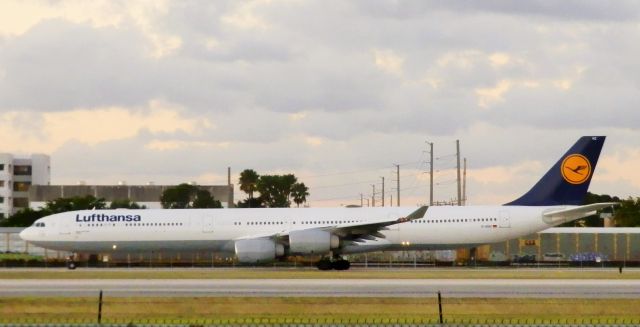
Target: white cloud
(388, 61)
(245, 15)
(20, 16)
(490, 96)
(620, 167)
(499, 59)
(313, 140)
(50, 130)
(168, 145)
(465, 59)
(297, 116)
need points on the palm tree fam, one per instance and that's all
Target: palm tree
(248, 180)
(299, 192)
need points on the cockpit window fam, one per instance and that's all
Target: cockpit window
(39, 225)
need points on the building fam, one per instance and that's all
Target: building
(17, 174)
(572, 244)
(147, 195)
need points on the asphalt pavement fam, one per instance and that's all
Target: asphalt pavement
(532, 288)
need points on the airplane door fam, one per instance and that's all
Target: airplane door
(207, 225)
(504, 219)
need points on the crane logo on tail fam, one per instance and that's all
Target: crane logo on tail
(575, 169)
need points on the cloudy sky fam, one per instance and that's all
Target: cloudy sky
(336, 92)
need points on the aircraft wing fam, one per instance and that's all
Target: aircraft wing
(578, 212)
(356, 232)
(370, 230)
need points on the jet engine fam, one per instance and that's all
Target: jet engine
(312, 242)
(256, 250)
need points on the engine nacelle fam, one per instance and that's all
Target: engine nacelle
(312, 242)
(256, 250)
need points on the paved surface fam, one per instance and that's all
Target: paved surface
(550, 288)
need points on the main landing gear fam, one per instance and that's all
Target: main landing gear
(337, 263)
(71, 263)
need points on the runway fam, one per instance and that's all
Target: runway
(531, 288)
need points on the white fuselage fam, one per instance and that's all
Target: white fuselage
(184, 230)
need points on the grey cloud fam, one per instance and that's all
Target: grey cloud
(574, 9)
(58, 65)
(319, 59)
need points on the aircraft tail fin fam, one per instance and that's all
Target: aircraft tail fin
(566, 183)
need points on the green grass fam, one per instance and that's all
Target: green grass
(287, 310)
(310, 273)
(19, 257)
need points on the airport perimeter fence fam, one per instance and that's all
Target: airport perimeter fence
(362, 265)
(327, 311)
(329, 322)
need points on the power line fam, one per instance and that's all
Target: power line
(341, 185)
(356, 171)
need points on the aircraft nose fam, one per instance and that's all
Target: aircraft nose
(27, 234)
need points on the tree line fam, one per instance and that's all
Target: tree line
(275, 191)
(626, 214)
(27, 216)
(178, 197)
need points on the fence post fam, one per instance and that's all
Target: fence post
(100, 308)
(439, 306)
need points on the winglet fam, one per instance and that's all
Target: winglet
(415, 215)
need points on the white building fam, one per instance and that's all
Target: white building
(17, 174)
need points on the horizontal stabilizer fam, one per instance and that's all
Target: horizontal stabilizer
(573, 213)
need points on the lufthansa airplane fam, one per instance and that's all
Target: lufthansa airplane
(261, 234)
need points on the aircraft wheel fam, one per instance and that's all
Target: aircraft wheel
(71, 265)
(324, 264)
(341, 264)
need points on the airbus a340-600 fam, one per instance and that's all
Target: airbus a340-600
(262, 234)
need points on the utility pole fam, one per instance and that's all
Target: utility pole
(464, 183)
(382, 191)
(398, 181)
(230, 196)
(430, 173)
(361, 200)
(458, 169)
(373, 196)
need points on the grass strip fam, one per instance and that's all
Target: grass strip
(304, 310)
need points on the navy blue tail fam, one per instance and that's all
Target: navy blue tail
(568, 180)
